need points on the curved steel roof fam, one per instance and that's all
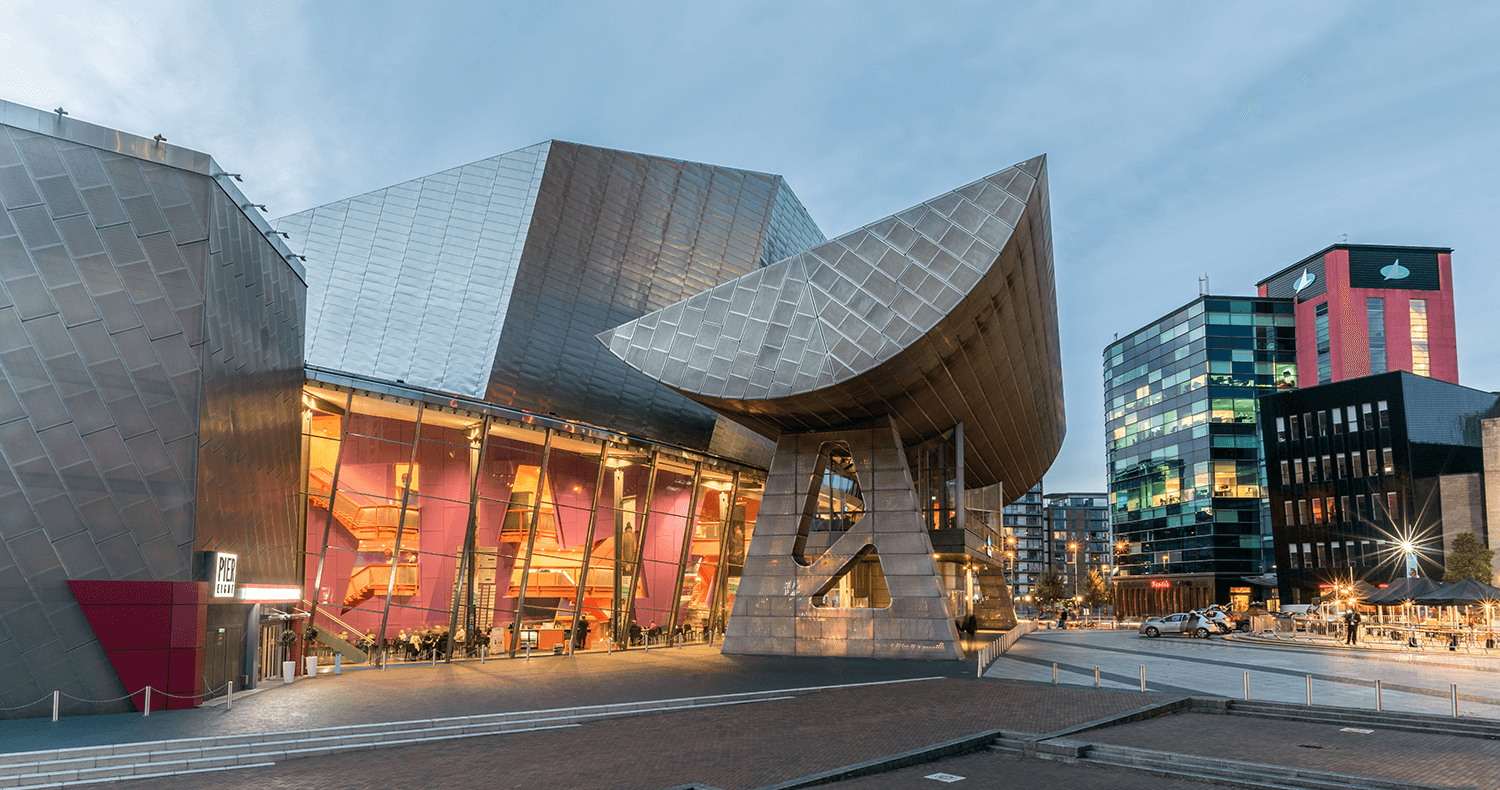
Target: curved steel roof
(941, 314)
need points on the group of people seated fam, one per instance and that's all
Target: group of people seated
(653, 634)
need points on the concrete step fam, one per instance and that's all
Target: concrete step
(80, 765)
(1390, 720)
(1235, 773)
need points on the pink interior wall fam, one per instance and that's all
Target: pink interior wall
(442, 501)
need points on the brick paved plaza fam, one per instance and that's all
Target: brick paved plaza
(762, 743)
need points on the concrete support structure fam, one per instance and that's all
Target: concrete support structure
(779, 608)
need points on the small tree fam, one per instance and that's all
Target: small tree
(1100, 590)
(1049, 590)
(1469, 559)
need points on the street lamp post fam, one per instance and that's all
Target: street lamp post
(1077, 566)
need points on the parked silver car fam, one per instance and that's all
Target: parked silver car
(1190, 623)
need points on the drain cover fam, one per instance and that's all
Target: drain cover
(1308, 746)
(1356, 729)
(943, 777)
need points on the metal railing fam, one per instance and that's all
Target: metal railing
(1002, 643)
(148, 692)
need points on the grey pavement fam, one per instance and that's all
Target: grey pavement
(420, 691)
(1417, 683)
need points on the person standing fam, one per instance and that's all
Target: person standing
(1351, 627)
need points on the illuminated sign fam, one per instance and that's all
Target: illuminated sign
(224, 567)
(1160, 584)
(256, 592)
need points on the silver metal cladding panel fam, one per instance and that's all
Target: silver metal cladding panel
(249, 428)
(150, 346)
(412, 282)
(940, 314)
(615, 235)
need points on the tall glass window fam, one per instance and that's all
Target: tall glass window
(454, 530)
(1421, 362)
(1375, 315)
(1325, 368)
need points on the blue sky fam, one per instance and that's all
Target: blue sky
(1184, 138)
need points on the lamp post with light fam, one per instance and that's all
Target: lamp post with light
(1077, 566)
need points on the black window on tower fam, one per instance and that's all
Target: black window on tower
(1375, 315)
(1325, 366)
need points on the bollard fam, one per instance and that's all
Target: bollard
(1096, 677)
(434, 657)
(338, 663)
(1309, 689)
(148, 700)
(229, 704)
(1054, 674)
(528, 651)
(1453, 690)
(481, 653)
(1247, 685)
(1379, 703)
(1143, 678)
(56, 703)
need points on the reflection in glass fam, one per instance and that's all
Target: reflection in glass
(616, 544)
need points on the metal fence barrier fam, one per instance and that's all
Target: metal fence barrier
(1002, 643)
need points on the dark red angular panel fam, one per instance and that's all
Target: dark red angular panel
(185, 678)
(187, 626)
(150, 641)
(189, 593)
(141, 668)
(130, 627)
(120, 592)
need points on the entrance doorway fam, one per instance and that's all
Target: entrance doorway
(224, 653)
(272, 652)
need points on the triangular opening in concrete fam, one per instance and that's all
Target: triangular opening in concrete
(860, 585)
(834, 503)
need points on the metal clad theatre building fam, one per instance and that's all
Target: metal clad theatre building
(458, 452)
(151, 346)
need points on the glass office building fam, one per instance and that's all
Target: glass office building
(1186, 483)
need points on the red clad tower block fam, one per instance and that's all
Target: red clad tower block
(153, 633)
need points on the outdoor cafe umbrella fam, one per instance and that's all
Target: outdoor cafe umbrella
(1463, 593)
(1401, 590)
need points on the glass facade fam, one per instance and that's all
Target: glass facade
(1421, 358)
(1186, 484)
(433, 520)
(1375, 316)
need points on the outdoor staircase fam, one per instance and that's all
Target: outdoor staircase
(1234, 773)
(1198, 768)
(327, 636)
(1356, 717)
(375, 525)
(89, 764)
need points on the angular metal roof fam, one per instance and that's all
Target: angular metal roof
(940, 314)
